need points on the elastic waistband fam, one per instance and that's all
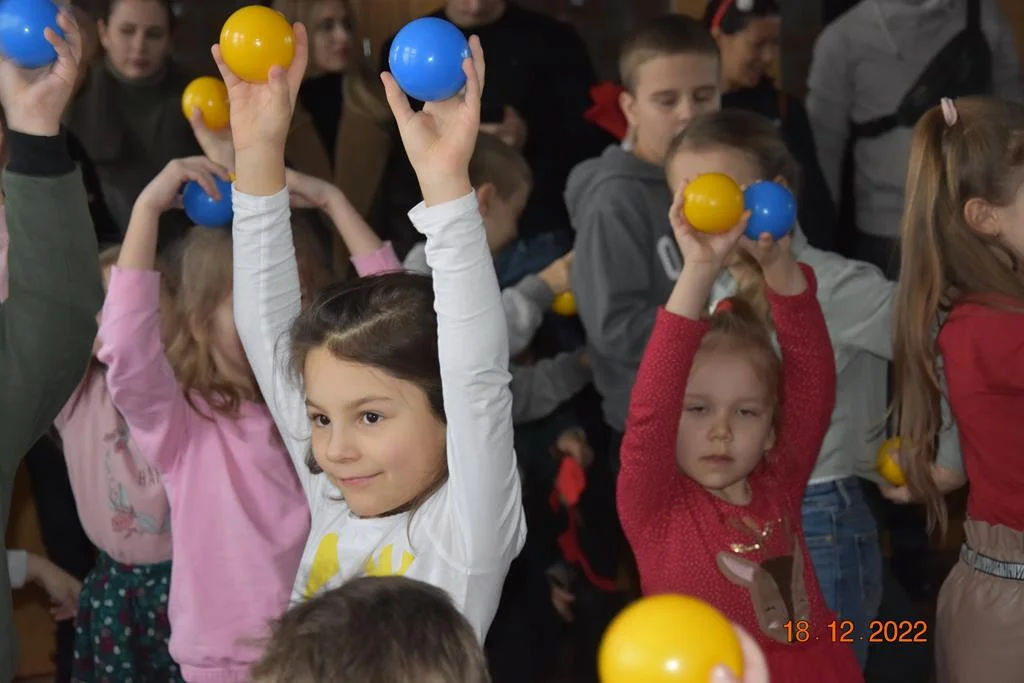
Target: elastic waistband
(109, 564)
(987, 565)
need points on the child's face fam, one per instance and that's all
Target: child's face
(749, 54)
(1010, 223)
(330, 36)
(726, 425)
(501, 216)
(374, 436)
(687, 164)
(670, 91)
(136, 37)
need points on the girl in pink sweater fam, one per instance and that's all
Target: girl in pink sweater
(238, 515)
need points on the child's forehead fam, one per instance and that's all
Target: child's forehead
(685, 71)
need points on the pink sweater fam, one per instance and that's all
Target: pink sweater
(239, 518)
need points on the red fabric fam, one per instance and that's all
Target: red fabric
(569, 486)
(606, 112)
(688, 541)
(983, 354)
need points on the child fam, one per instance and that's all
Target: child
(123, 508)
(238, 517)
(63, 589)
(963, 243)
(720, 442)
(626, 259)
(394, 629)
(856, 299)
(401, 430)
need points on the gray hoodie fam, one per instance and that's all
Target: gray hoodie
(863, 64)
(625, 267)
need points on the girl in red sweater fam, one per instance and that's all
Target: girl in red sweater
(960, 274)
(719, 444)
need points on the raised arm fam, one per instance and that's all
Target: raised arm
(48, 322)
(808, 386)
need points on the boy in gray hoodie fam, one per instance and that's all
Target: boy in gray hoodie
(626, 258)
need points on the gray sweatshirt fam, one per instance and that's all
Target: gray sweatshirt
(863, 64)
(537, 389)
(625, 267)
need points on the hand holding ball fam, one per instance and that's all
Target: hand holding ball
(22, 27)
(712, 203)
(253, 40)
(772, 210)
(668, 639)
(210, 95)
(426, 59)
(204, 210)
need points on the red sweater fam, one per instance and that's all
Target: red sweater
(688, 541)
(983, 355)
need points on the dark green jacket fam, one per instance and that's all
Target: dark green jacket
(48, 323)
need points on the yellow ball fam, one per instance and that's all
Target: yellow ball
(887, 467)
(713, 203)
(668, 639)
(254, 39)
(211, 96)
(564, 304)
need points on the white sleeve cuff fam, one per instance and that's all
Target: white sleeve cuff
(17, 567)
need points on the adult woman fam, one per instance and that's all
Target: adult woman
(127, 113)
(747, 33)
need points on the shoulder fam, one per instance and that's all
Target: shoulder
(838, 274)
(991, 324)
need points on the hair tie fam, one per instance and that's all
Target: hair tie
(949, 111)
(724, 306)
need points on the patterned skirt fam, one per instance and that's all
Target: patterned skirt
(122, 629)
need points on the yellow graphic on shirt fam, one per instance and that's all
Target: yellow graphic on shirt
(384, 565)
(325, 565)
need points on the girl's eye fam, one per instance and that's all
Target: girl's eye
(371, 418)
(696, 410)
(746, 412)
(320, 420)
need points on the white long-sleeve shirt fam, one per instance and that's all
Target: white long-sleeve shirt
(465, 536)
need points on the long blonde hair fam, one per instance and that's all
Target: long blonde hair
(205, 281)
(944, 261)
(361, 88)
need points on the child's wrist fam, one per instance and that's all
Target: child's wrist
(784, 277)
(440, 190)
(260, 170)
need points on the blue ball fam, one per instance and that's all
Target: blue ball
(21, 32)
(772, 210)
(426, 59)
(204, 210)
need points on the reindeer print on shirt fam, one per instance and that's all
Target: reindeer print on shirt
(776, 584)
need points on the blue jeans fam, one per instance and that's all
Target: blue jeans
(842, 538)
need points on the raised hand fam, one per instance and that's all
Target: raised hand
(216, 144)
(34, 100)
(439, 140)
(755, 665)
(768, 251)
(164, 191)
(261, 113)
(700, 248)
(308, 192)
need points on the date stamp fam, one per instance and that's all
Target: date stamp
(846, 631)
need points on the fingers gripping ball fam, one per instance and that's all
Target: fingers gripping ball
(713, 203)
(254, 39)
(772, 210)
(204, 210)
(22, 23)
(668, 639)
(887, 465)
(564, 304)
(426, 59)
(210, 95)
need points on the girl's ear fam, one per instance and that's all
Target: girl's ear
(484, 197)
(981, 217)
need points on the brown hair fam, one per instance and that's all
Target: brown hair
(360, 88)
(665, 36)
(205, 280)
(757, 138)
(944, 261)
(383, 321)
(374, 630)
(310, 252)
(738, 326)
(499, 164)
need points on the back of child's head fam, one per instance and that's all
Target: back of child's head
(374, 630)
(503, 180)
(738, 327)
(666, 36)
(966, 165)
(732, 16)
(382, 328)
(204, 282)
